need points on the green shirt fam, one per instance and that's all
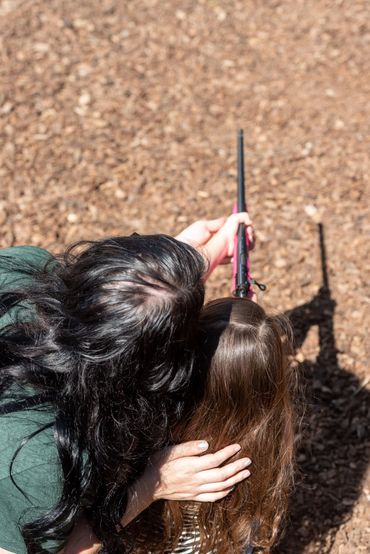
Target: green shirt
(36, 469)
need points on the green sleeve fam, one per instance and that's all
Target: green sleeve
(36, 471)
(36, 468)
(33, 256)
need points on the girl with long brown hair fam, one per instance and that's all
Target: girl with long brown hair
(242, 392)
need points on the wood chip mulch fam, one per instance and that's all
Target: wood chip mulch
(121, 116)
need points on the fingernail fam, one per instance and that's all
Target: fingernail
(247, 473)
(237, 447)
(203, 445)
(247, 462)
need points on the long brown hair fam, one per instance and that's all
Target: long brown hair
(246, 399)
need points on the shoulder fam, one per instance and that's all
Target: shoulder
(33, 255)
(19, 263)
(18, 267)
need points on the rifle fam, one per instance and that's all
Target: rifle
(242, 280)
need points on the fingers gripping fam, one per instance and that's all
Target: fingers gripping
(214, 225)
(186, 474)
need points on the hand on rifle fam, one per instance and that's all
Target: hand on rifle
(199, 233)
(215, 238)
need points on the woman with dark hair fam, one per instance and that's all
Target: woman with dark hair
(247, 397)
(97, 351)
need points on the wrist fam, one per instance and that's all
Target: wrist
(143, 491)
(213, 255)
(140, 497)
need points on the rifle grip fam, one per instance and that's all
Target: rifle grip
(235, 257)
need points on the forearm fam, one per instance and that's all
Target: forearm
(214, 253)
(82, 540)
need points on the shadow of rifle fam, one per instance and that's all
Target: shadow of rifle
(334, 450)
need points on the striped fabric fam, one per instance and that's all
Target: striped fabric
(189, 542)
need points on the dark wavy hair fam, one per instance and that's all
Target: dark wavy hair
(110, 351)
(247, 398)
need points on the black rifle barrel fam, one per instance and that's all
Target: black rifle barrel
(242, 283)
(241, 184)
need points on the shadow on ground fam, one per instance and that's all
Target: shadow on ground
(334, 451)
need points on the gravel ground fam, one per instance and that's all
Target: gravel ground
(121, 116)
